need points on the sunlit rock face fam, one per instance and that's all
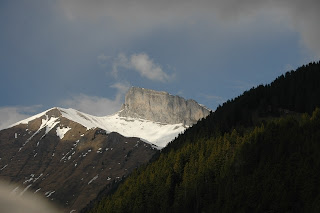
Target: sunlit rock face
(162, 107)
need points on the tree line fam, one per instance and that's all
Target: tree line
(255, 153)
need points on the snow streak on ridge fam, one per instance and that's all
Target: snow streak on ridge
(153, 132)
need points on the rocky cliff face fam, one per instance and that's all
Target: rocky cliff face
(161, 107)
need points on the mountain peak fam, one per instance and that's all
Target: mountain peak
(161, 107)
(155, 116)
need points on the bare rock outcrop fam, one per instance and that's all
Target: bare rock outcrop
(161, 107)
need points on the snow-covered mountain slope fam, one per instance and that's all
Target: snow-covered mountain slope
(65, 162)
(156, 133)
(69, 157)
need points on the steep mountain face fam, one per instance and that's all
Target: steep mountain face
(66, 162)
(162, 107)
(69, 157)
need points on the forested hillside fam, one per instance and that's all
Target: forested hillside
(296, 91)
(256, 153)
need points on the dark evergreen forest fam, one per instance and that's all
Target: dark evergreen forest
(256, 153)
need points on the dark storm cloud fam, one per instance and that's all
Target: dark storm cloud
(301, 15)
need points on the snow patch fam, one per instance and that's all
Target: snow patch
(62, 131)
(29, 180)
(49, 193)
(37, 178)
(48, 123)
(156, 133)
(94, 178)
(37, 190)
(26, 121)
(4, 167)
(70, 151)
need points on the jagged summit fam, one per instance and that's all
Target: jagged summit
(63, 120)
(161, 107)
(69, 156)
(156, 117)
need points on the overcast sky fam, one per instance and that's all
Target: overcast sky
(85, 54)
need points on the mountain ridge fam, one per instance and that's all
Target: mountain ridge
(175, 115)
(69, 156)
(155, 133)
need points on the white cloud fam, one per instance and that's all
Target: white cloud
(93, 105)
(120, 61)
(301, 15)
(142, 64)
(98, 106)
(147, 68)
(122, 88)
(12, 114)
